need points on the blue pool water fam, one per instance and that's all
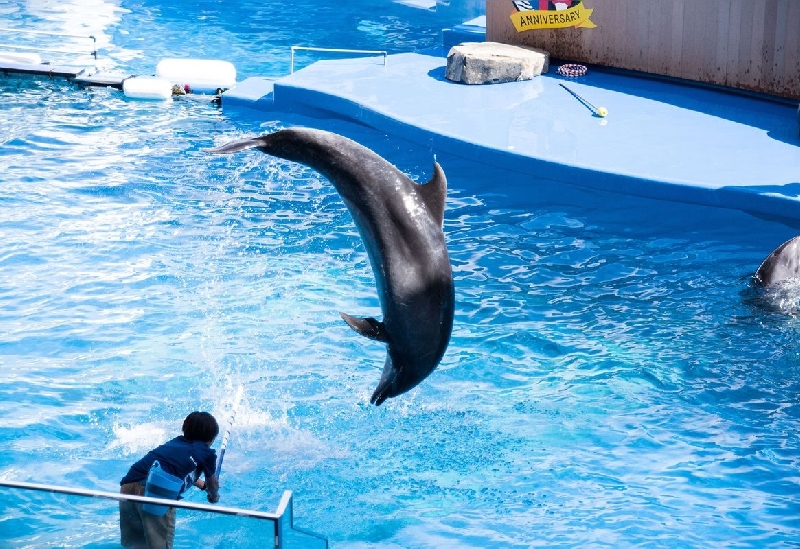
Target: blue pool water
(612, 380)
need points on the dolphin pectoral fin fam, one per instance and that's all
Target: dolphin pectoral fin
(240, 145)
(434, 192)
(368, 327)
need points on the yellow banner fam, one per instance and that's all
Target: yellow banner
(548, 19)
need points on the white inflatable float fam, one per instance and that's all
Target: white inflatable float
(200, 75)
(147, 87)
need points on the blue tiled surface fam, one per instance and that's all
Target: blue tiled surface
(660, 139)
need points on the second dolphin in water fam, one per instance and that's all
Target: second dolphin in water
(400, 223)
(782, 264)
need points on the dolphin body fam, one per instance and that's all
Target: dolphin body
(782, 264)
(400, 223)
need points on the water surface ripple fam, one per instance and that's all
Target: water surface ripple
(611, 381)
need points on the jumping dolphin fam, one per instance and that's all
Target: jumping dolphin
(400, 223)
(782, 264)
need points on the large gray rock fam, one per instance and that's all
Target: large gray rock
(493, 63)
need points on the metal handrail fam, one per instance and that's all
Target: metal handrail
(281, 520)
(35, 49)
(274, 517)
(336, 50)
(47, 33)
(286, 511)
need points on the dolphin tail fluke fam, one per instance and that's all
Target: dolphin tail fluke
(384, 388)
(240, 145)
(368, 327)
(378, 396)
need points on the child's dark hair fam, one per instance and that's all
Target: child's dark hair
(200, 426)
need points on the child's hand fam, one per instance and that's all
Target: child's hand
(212, 487)
(200, 483)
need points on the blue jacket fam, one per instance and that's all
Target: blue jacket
(180, 457)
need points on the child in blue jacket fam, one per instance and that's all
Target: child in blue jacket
(185, 457)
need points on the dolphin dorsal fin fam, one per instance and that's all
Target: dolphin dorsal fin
(367, 327)
(434, 192)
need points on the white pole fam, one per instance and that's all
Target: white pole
(231, 418)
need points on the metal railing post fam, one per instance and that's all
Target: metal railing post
(335, 50)
(46, 33)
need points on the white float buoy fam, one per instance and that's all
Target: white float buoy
(201, 75)
(147, 87)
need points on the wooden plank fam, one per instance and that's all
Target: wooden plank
(697, 37)
(779, 54)
(719, 70)
(740, 74)
(757, 46)
(751, 44)
(733, 62)
(706, 25)
(676, 53)
(638, 30)
(616, 52)
(791, 74)
(655, 39)
(769, 46)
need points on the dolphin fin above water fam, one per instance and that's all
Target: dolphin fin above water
(400, 223)
(781, 265)
(433, 194)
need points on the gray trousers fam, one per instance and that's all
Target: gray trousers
(142, 530)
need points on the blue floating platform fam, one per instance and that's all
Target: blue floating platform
(661, 139)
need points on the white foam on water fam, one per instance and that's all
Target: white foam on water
(138, 439)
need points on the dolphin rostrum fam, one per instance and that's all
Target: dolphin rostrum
(400, 223)
(782, 264)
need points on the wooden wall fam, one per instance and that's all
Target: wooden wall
(749, 44)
